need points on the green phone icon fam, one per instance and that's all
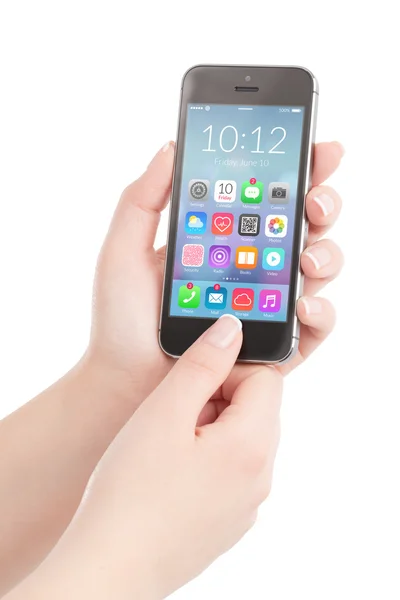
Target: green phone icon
(189, 297)
(252, 193)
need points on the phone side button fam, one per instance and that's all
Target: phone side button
(300, 286)
(305, 235)
(295, 345)
(296, 331)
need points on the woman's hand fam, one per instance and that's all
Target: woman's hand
(127, 296)
(169, 497)
(57, 439)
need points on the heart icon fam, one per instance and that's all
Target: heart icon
(222, 223)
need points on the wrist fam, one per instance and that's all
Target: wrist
(127, 381)
(82, 566)
(107, 393)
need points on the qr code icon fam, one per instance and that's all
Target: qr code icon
(249, 224)
(192, 255)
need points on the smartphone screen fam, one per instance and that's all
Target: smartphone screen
(237, 211)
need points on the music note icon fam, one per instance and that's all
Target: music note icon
(270, 301)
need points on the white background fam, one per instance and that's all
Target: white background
(89, 92)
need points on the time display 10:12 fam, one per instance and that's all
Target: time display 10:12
(229, 139)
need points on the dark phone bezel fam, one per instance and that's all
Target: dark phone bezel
(292, 86)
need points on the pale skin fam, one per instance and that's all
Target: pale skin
(49, 448)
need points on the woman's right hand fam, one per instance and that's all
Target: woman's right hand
(169, 497)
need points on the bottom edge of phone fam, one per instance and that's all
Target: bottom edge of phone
(279, 361)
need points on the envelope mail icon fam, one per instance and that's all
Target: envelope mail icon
(216, 298)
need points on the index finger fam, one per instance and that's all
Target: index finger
(137, 215)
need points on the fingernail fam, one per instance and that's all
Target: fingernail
(341, 147)
(319, 256)
(163, 150)
(325, 203)
(223, 332)
(312, 305)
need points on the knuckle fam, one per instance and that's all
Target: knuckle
(258, 459)
(135, 193)
(273, 380)
(252, 519)
(253, 461)
(129, 192)
(264, 490)
(245, 521)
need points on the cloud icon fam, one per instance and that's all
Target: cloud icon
(243, 300)
(195, 222)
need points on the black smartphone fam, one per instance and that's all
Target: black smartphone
(237, 223)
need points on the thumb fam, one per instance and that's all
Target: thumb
(137, 215)
(255, 403)
(200, 371)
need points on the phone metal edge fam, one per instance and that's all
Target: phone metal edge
(304, 228)
(169, 220)
(311, 74)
